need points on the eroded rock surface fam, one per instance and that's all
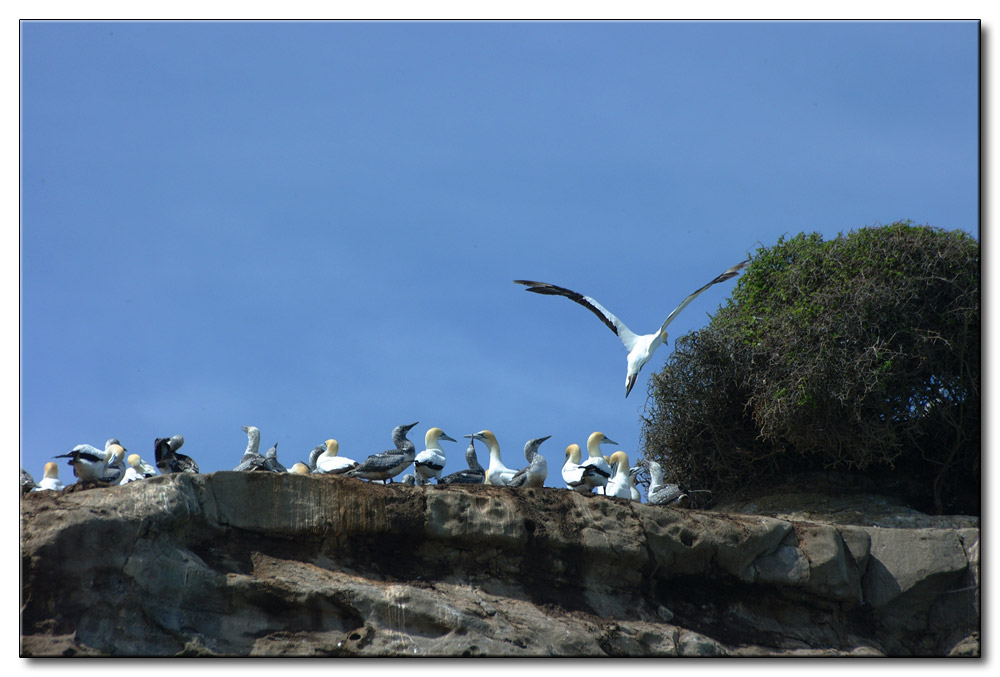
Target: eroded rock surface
(266, 564)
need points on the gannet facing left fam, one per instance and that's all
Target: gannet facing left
(596, 470)
(251, 458)
(537, 469)
(328, 462)
(497, 473)
(430, 462)
(660, 493)
(640, 347)
(387, 464)
(50, 481)
(88, 461)
(115, 468)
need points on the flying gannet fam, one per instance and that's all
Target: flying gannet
(429, 462)
(596, 469)
(328, 462)
(251, 459)
(640, 347)
(50, 481)
(387, 464)
(497, 473)
(475, 474)
(537, 469)
(660, 493)
(618, 485)
(167, 458)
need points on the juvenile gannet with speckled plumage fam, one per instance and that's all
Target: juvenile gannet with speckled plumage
(429, 462)
(537, 470)
(660, 493)
(596, 470)
(387, 464)
(27, 481)
(271, 460)
(167, 458)
(618, 485)
(50, 481)
(251, 459)
(328, 462)
(640, 347)
(474, 474)
(497, 473)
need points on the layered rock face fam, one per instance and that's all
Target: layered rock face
(268, 564)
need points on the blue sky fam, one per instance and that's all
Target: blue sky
(314, 227)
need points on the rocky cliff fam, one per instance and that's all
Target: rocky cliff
(265, 564)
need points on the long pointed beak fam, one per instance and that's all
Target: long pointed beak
(444, 436)
(631, 382)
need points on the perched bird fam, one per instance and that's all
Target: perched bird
(115, 468)
(88, 461)
(596, 470)
(330, 463)
(315, 454)
(299, 469)
(497, 473)
(618, 485)
(387, 464)
(660, 493)
(429, 462)
(572, 473)
(167, 458)
(475, 474)
(633, 472)
(27, 481)
(135, 470)
(50, 480)
(537, 469)
(251, 458)
(271, 460)
(640, 347)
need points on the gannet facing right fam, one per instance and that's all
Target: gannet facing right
(640, 347)
(387, 464)
(596, 470)
(328, 462)
(475, 474)
(251, 459)
(618, 485)
(497, 473)
(537, 470)
(271, 460)
(430, 462)
(50, 481)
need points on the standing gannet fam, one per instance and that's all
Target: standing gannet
(314, 454)
(497, 473)
(271, 460)
(640, 347)
(88, 461)
(115, 468)
(537, 470)
(660, 493)
(328, 462)
(475, 474)
(634, 490)
(167, 458)
(618, 485)
(251, 459)
(134, 471)
(596, 470)
(50, 481)
(572, 473)
(429, 462)
(387, 464)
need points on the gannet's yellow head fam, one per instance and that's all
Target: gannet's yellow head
(51, 470)
(621, 458)
(595, 441)
(134, 460)
(486, 436)
(117, 451)
(573, 453)
(299, 469)
(332, 448)
(432, 436)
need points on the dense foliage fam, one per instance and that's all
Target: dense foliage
(860, 353)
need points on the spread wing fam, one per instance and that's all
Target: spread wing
(732, 272)
(626, 335)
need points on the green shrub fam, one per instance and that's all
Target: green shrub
(860, 353)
